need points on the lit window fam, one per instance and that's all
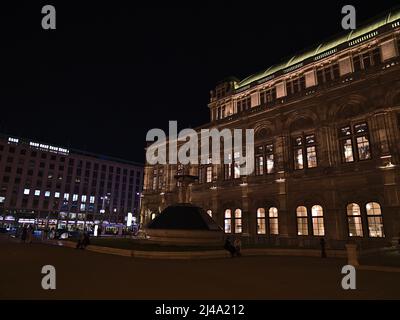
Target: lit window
(238, 221)
(92, 199)
(228, 221)
(347, 148)
(259, 165)
(2, 199)
(47, 194)
(269, 155)
(375, 222)
(261, 228)
(302, 221)
(83, 198)
(358, 138)
(83, 207)
(236, 165)
(311, 157)
(26, 192)
(37, 192)
(363, 148)
(354, 220)
(209, 174)
(318, 220)
(75, 197)
(273, 221)
(209, 212)
(66, 196)
(298, 159)
(57, 195)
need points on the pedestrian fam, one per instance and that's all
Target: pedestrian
(45, 233)
(322, 244)
(238, 247)
(29, 234)
(24, 233)
(229, 247)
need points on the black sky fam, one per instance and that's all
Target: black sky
(110, 72)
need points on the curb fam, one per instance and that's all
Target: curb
(196, 255)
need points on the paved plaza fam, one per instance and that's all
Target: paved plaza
(88, 275)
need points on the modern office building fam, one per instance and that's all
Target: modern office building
(327, 147)
(49, 185)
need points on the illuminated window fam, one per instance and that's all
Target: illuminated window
(236, 165)
(228, 168)
(311, 157)
(273, 221)
(238, 221)
(57, 195)
(261, 227)
(47, 194)
(298, 159)
(305, 152)
(228, 221)
(264, 159)
(259, 161)
(37, 192)
(26, 192)
(92, 199)
(75, 197)
(83, 198)
(363, 148)
(354, 220)
(209, 174)
(269, 156)
(83, 207)
(302, 221)
(375, 221)
(2, 199)
(359, 138)
(318, 220)
(209, 212)
(66, 196)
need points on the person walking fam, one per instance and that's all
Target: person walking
(24, 233)
(29, 234)
(238, 247)
(229, 247)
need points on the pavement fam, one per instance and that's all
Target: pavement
(88, 275)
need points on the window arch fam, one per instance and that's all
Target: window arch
(238, 221)
(354, 220)
(209, 212)
(228, 221)
(302, 221)
(375, 221)
(317, 214)
(273, 221)
(261, 227)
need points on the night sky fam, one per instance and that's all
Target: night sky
(109, 73)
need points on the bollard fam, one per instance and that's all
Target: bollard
(352, 254)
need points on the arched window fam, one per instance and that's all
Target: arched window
(302, 221)
(318, 220)
(261, 228)
(273, 220)
(354, 220)
(375, 222)
(209, 212)
(228, 221)
(238, 221)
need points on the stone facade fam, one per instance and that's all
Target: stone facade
(327, 132)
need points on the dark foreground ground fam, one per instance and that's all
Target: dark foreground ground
(88, 275)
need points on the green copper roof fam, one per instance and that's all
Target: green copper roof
(322, 48)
